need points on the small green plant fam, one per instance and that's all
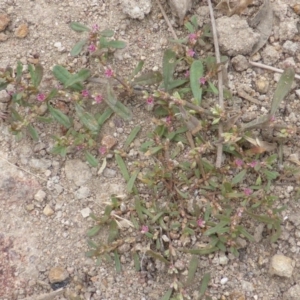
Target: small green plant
(193, 207)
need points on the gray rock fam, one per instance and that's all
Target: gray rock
(288, 29)
(82, 193)
(247, 286)
(232, 33)
(136, 9)
(180, 7)
(281, 265)
(77, 171)
(270, 55)
(293, 293)
(240, 63)
(40, 164)
(4, 96)
(290, 47)
(109, 173)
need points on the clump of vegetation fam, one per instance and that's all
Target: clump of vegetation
(192, 207)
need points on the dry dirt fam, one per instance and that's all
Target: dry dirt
(32, 243)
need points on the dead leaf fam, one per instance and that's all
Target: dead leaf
(262, 22)
(240, 7)
(259, 146)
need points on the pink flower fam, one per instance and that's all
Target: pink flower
(92, 47)
(248, 191)
(85, 93)
(190, 53)
(202, 80)
(98, 98)
(95, 28)
(41, 97)
(201, 223)
(150, 100)
(253, 164)
(193, 38)
(109, 73)
(145, 229)
(102, 150)
(187, 74)
(169, 120)
(238, 162)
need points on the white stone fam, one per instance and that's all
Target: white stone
(40, 196)
(223, 280)
(281, 266)
(136, 9)
(85, 212)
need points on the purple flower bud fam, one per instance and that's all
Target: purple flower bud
(190, 53)
(85, 93)
(92, 47)
(202, 80)
(109, 73)
(98, 98)
(145, 229)
(238, 162)
(41, 97)
(248, 191)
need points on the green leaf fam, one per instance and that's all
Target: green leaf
(192, 270)
(217, 229)
(213, 89)
(92, 244)
(138, 208)
(60, 117)
(78, 47)
(107, 33)
(131, 181)
(33, 132)
(63, 75)
(36, 74)
(169, 63)
(91, 253)
(176, 83)
(283, 87)
(91, 159)
(157, 256)
(93, 231)
(136, 260)
(167, 295)
(137, 69)
(196, 73)
(189, 27)
(152, 77)
(245, 233)
(116, 44)
(61, 150)
(113, 231)
(239, 177)
(117, 261)
(19, 72)
(105, 116)
(153, 150)
(118, 107)
(81, 76)
(52, 94)
(122, 167)
(132, 136)
(87, 119)
(203, 251)
(78, 27)
(204, 284)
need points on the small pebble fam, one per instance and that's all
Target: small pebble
(48, 211)
(85, 212)
(223, 280)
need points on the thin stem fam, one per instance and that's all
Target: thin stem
(220, 82)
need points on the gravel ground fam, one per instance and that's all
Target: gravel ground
(45, 200)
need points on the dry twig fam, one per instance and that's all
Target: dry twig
(260, 65)
(220, 82)
(167, 20)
